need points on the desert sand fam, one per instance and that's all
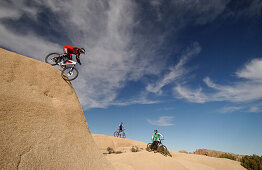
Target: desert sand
(42, 125)
(144, 160)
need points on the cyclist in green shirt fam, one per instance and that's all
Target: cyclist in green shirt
(156, 139)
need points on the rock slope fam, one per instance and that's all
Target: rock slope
(42, 125)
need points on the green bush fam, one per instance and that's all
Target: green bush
(228, 156)
(253, 162)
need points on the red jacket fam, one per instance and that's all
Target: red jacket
(71, 50)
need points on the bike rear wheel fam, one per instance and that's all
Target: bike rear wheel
(52, 58)
(69, 73)
(162, 149)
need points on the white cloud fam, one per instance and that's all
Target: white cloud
(256, 108)
(38, 47)
(176, 72)
(252, 9)
(155, 3)
(166, 108)
(252, 70)
(247, 90)
(162, 121)
(135, 101)
(205, 10)
(195, 96)
(230, 109)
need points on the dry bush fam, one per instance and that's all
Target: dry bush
(134, 149)
(110, 150)
(118, 152)
(182, 151)
(218, 154)
(228, 156)
(253, 162)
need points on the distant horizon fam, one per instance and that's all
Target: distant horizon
(191, 69)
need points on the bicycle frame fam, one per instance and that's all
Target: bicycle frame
(69, 62)
(69, 71)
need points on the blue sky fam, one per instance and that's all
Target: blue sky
(191, 69)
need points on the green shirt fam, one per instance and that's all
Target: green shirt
(156, 137)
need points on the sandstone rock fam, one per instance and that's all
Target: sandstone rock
(42, 125)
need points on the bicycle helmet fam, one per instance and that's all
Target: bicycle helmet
(82, 50)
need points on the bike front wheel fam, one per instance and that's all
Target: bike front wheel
(123, 135)
(69, 73)
(52, 58)
(116, 134)
(148, 147)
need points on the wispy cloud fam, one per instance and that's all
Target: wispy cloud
(176, 72)
(251, 9)
(230, 109)
(192, 95)
(206, 11)
(162, 121)
(247, 89)
(166, 109)
(135, 101)
(252, 70)
(256, 108)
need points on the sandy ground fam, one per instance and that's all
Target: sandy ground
(144, 160)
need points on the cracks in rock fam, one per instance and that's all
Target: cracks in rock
(21, 155)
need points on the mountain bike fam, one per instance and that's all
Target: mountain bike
(160, 148)
(119, 134)
(69, 71)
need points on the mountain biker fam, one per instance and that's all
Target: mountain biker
(69, 51)
(156, 139)
(121, 128)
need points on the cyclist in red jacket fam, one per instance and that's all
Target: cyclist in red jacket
(69, 50)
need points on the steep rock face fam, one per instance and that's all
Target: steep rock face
(42, 125)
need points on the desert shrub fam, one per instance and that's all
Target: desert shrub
(118, 152)
(182, 151)
(110, 150)
(228, 156)
(134, 149)
(253, 162)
